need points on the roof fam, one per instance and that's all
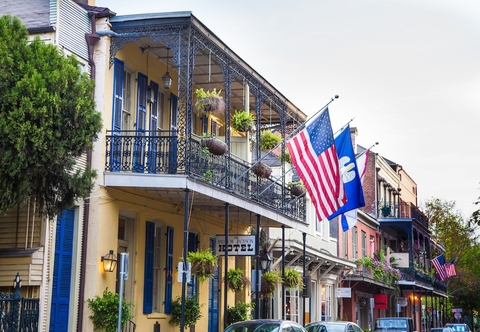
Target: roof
(36, 18)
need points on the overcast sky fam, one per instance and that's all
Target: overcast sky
(406, 71)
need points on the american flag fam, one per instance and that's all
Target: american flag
(450, 269)
(439, 263)
(315, 159)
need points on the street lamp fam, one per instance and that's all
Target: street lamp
(265, 261)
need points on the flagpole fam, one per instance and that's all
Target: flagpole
(294, 132)
(343, 127)
(365, 151)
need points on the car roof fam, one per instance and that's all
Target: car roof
(330, 323)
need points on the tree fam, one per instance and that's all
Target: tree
(47, 121)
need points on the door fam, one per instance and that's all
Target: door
(62, 271)
(116, 142)
(154, 139)
(213, 295)
(173, 146)
(139, 153)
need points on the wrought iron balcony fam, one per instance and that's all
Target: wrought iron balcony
(164, 152)
(402, 210)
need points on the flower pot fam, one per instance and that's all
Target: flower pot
(262, 170)
(215, 146)
(297, 190)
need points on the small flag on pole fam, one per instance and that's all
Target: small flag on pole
(315, 158)
(450, 269)
(351, 178)
(439, 264)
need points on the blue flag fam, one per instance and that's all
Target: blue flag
(350, 175)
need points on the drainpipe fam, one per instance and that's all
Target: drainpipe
(92, 39)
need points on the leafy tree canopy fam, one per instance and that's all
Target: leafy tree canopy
(47, 120)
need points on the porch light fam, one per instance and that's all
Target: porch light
(167, 79)
(17, 282)
(265, 261)
(109, 262)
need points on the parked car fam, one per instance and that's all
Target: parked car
(458, 327)
(441, 329)
(265, 325)
(338, 326)
(397, 324)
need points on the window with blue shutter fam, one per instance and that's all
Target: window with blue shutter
(149, 263)
(192, 246)
(169, 272)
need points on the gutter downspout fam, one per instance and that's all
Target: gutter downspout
(92, 39)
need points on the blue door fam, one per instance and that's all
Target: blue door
(154, 139)
(116, 142)
(213, 295)
(62, 271)
(172, 159)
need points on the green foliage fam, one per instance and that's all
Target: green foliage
(285, 157)
(270, 281)
(295, 183)
(240, 312)
(105, 311)
(268, 140)
(203, 263)
(47, 121)
(243, 121)
(209, 102)
(237, 280)
(293, 278)
(192, 311)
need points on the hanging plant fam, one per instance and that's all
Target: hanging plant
(209, 102)
(270, 281)
(262, 170)
(296, 187)
(192, 311)
(237, 280)
(243, 121)
(269, 140)
(203, 264)
(293, 278)
(214, 145)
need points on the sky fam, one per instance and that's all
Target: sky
(406, 71)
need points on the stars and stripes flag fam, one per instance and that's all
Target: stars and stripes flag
(315, 158)
(450, 269)
(439, 264)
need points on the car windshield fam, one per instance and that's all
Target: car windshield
(391, 324)
(335, 327)
(254, 327)
(458, 328)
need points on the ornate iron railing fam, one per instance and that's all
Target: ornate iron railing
(18, 314)
(156, 153)
(401, 210)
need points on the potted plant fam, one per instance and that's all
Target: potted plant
(203, 263)
(105, 311)
(296, 187)
(192, 311)
(209, 102)
(262, 170)
(269, 140)
(270, 281)
(293, 278)
(237, 280)
(385, 210)
(243, 121)
(214, 145)
(239, 313)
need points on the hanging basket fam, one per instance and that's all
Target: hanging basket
(262, 170)
(209, 102)
(297, 190)
(215, 146)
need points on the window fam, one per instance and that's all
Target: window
(372, 243)
(354, 242)
(364, 244)
(127, 100)
(344, 244)
(157, 293)
(292, 301)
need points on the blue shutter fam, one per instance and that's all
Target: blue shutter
(62, 271)
(116, 143)
(148, 273)
(169, 272)
(192, 246)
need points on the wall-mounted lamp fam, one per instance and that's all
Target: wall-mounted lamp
(109, 262)
(167, 79)
(17, 282)
(265, 261)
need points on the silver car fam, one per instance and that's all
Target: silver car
(338, 326)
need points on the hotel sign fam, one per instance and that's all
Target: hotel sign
(238, 245)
